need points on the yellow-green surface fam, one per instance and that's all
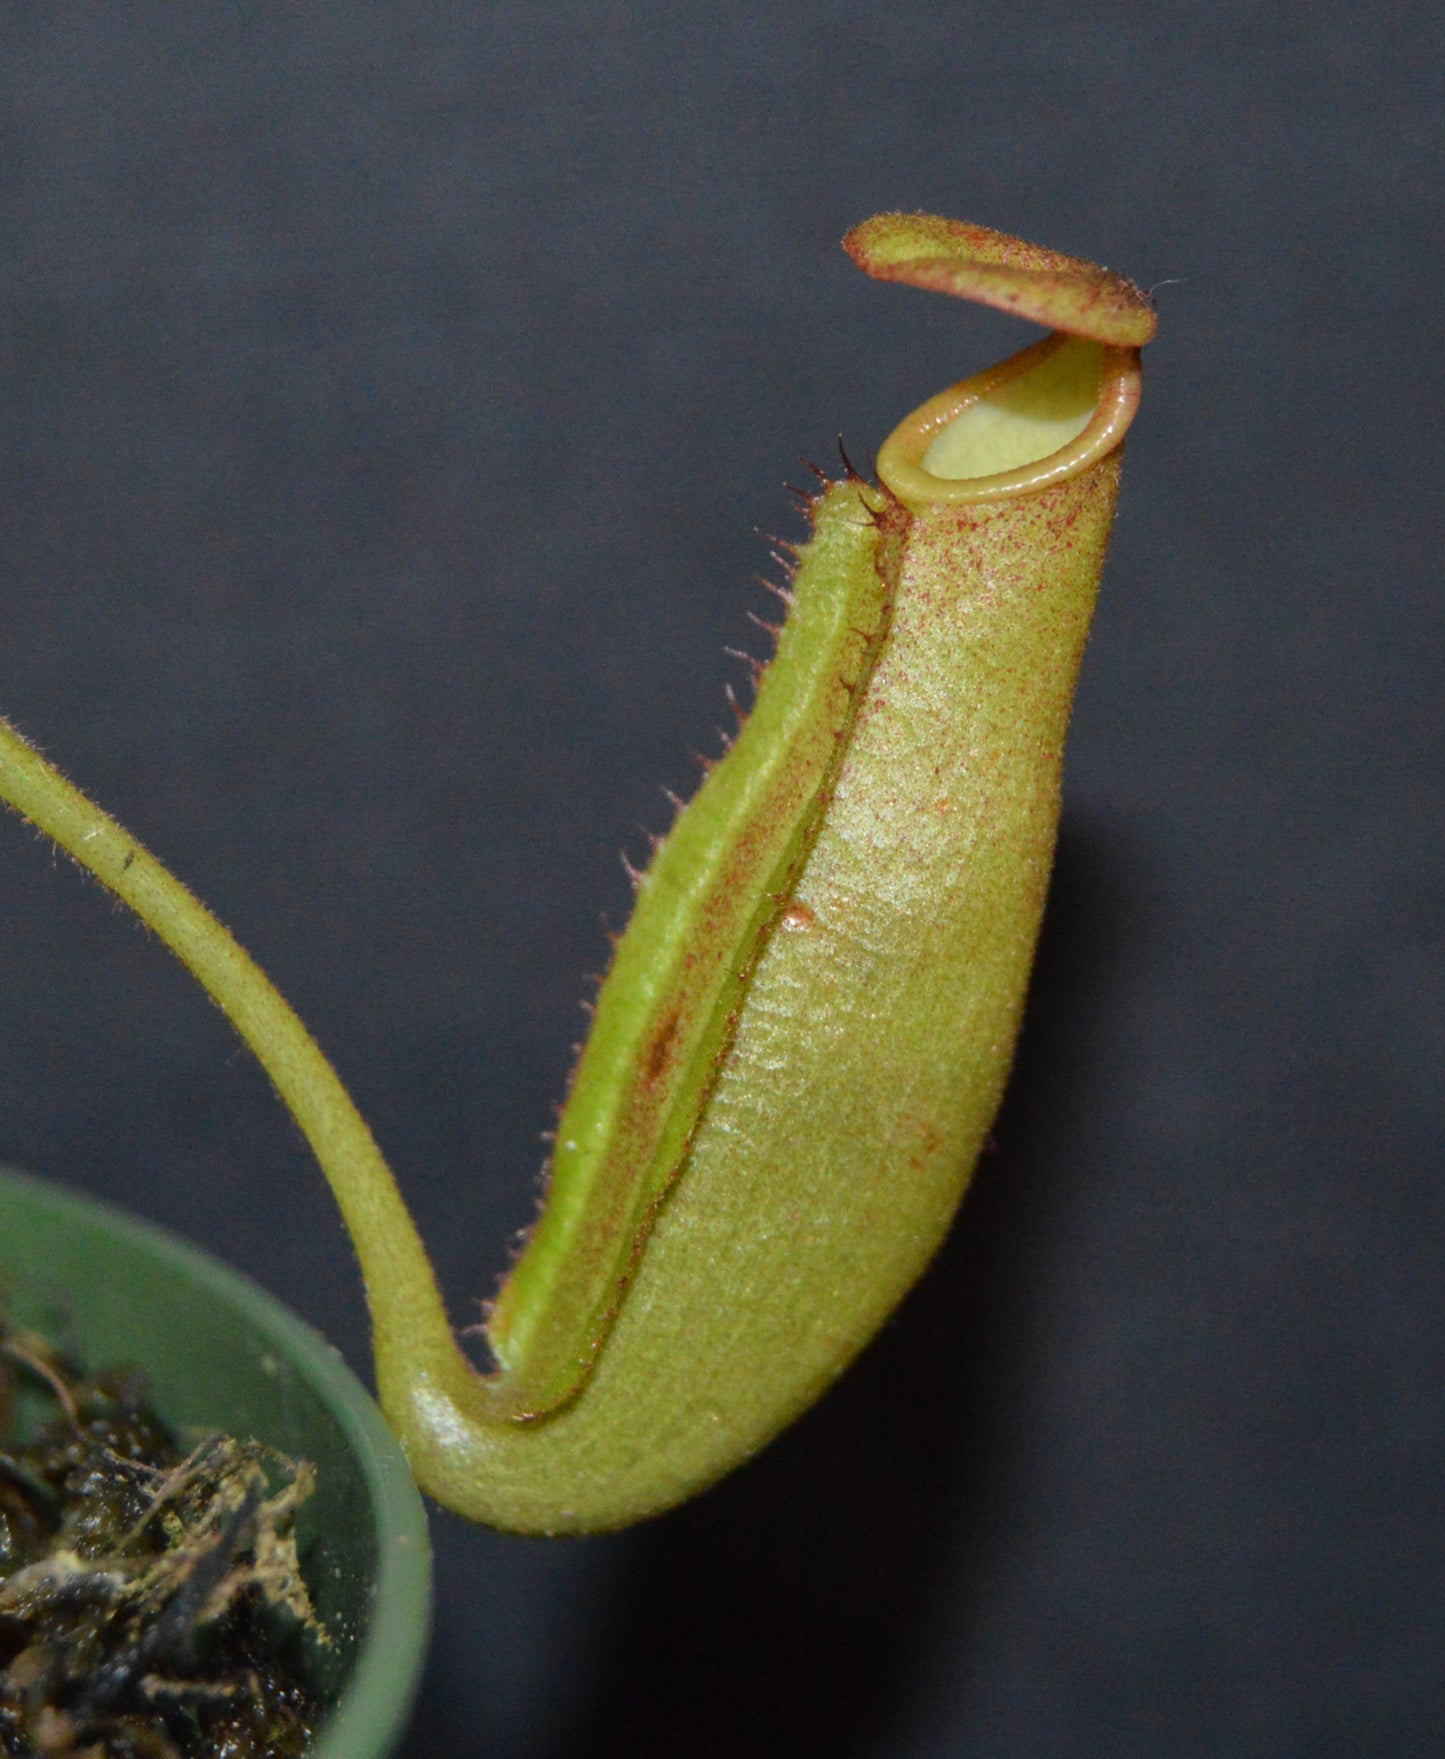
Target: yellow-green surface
(809, 1021)
(869, 1057)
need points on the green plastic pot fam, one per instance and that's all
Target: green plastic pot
(222, 1354)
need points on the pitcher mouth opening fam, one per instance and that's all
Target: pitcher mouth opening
(1043, 415)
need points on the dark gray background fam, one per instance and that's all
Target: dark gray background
(390, 396)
